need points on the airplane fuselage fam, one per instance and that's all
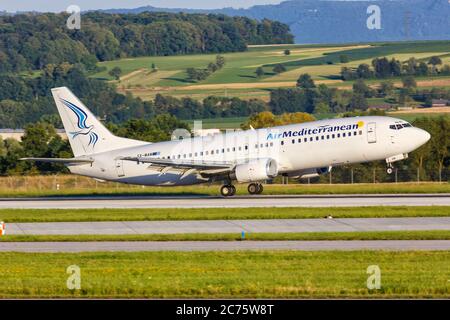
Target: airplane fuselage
(296, 149)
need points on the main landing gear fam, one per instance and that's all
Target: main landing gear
(255, 188)
(228, 190)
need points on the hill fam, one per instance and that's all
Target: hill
(337, 21)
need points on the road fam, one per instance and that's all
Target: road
(135, 246)
(234, 202)
(230, 226)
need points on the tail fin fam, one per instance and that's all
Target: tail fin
(86, 134)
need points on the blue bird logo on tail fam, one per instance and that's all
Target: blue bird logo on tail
(84, 128)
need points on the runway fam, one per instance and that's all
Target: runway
(230, 226)
(117, 202)
(136, 246)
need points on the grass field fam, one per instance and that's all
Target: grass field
(266, 274)
(305, 236)
(72, 185)
(238, 77)
(61, 215)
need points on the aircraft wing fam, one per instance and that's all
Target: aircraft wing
(204, 167)
(61, 160)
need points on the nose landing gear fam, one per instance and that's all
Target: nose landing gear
(255, 188)
(390, 168)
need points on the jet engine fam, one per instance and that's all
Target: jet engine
(256, 170)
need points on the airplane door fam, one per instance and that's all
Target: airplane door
(119, 168)
(372, 132)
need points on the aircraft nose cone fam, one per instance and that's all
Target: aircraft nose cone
(423, 136)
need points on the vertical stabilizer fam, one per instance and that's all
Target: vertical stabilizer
(86, 134)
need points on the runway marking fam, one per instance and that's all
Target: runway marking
(137, 246)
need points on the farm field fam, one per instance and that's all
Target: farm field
(238, 78)
(264, 274)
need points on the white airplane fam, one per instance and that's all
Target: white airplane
(251, 156)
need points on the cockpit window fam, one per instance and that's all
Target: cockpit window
(399, 126)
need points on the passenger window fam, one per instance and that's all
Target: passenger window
(338, 135)
(246, 147)
(311, 139)
(271, 144)
(360, 132)
(322, 137)
(299, 140)
(282, 142)
(293, 141)
(328, 136)
(355, 133)
(343, 135)
(212, 151)
(305, 140)
(317, 138)
(333, 136)
(256, 146)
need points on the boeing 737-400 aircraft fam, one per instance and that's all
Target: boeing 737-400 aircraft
(251, 156)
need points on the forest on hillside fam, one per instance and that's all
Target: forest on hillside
(32, 41)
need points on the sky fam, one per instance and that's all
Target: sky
(61, 5)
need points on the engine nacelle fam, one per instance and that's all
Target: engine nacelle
(256, 170)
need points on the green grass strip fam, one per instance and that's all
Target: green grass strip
(305, 236)
(249, 274)
(66, 215)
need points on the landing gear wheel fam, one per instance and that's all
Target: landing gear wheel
(233, 190)
(260, 189)
(253, 188)
(228, 190)
(389, 170)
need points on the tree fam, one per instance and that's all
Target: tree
(386, 88)
(259, 72)
(115, 72)
(360, 88)
(305, 82)
(364, 71)
(267, 119)
(287, 52)
(434, 61)
(220, 61)
(279, 68)
(154, 68)
(322, 108)
(409, 82)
